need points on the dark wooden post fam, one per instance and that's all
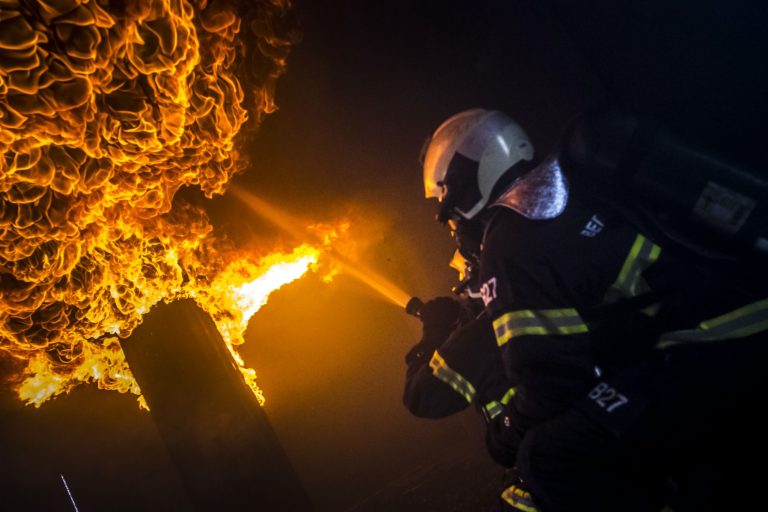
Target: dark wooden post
(218, 436)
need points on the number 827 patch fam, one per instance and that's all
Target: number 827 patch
(607, 397)
(613, 409)
(488, 291)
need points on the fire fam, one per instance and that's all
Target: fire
(106, 111)
(245, 298)
(238, 292)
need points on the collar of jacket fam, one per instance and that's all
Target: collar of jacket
(541, 194)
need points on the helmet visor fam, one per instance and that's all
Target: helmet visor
(443, 145)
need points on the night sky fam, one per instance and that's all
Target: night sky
(364, 88)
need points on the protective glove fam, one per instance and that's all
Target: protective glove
(439, 317)
(503, 436)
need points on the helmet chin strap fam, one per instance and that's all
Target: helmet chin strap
(447, 204)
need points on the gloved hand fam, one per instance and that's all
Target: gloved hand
(503, 436)
(439, 317)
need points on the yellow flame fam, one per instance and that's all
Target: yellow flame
(243, 288)
(249, 297)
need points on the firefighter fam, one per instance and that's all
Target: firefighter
(629, 358)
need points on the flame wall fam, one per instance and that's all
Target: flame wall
(107, 109)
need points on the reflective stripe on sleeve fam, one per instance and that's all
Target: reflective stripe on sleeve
(494, 408)
(742, 322)
(443, 372)
(642, 255)
(518, 498)
(538, 322)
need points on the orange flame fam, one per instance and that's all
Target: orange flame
(239, 291)
(104, 116)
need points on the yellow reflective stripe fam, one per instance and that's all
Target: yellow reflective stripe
(442, 371)
(511, 392)
(739, 323)
(494, 408)
(519, 499)
(538, 322)
(630, 283)
(756, 308)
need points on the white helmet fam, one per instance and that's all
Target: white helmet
(466, 157)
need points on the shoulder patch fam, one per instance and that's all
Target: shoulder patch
(488, 291)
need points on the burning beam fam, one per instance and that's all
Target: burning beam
(218, 436)
(294, 227)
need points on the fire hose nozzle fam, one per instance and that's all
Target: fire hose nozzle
(413, 307)
(459, 288)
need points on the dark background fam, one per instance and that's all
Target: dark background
(365, 87)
